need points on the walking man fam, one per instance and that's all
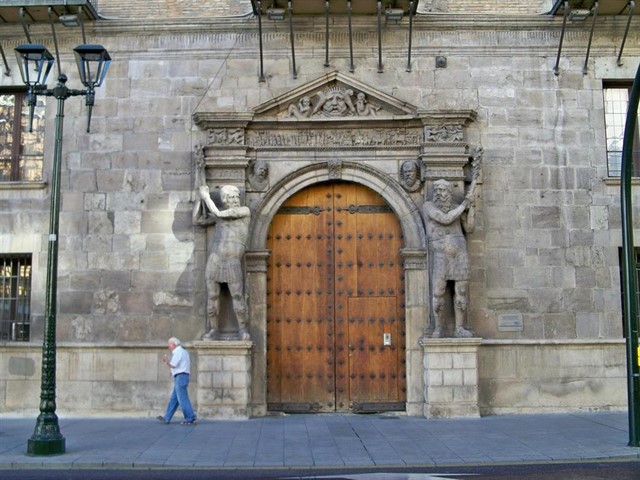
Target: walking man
(179, 364)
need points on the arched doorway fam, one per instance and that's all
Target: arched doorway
(335, 303)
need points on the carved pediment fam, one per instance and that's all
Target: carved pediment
(333, 97)
(334, 110)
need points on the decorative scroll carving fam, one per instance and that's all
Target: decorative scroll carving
(226, 136)
(444, 133)
(199, 178)
(335, 169)
(333, 137)
(333, 102)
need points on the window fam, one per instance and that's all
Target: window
(15, 297)
(616, 101)
(21, 151)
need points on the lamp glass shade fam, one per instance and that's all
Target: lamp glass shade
(93, 62)
(35, 63)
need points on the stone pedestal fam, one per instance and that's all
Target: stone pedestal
(451, 377)
(224, 379)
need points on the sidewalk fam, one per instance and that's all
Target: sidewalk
(323, 440)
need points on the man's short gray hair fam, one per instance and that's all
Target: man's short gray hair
(175, 341)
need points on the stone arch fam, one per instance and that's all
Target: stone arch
(405, 209)
(414, 258)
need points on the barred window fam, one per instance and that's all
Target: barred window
(15, 297)
(616, 102)
(21, 151)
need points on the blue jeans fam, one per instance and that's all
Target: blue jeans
(180, 397)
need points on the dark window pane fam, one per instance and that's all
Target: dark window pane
(15, 297)
(21, 151)
(616, 102)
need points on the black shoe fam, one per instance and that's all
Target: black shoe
(161, 419)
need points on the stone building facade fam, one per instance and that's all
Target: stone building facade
(184, 103)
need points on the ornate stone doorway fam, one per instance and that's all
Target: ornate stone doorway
(332, 131)
(335, 303)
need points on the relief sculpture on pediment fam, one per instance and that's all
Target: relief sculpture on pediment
(333, 102)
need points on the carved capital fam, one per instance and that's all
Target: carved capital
(256, 261)
(414, 259)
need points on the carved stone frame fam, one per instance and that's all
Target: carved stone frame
(305, 151)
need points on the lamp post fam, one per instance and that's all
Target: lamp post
(35, 63)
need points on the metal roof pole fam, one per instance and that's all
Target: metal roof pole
(556, 70)
(7, 70)
(631, 6)
(326, 34)
(293, 50)
(24, 24)
(585, 69)
(55, 40)
(261, 77)
(410, 35)
(351, 66)
(84, 37)
(380, 69)
(629, 272)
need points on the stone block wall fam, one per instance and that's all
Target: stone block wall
(527, 377)
(91, 380)
(224, 379)
(451, 377)
(510, 378)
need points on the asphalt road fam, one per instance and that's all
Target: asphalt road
(613, 470)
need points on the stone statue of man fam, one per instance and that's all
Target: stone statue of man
(446, 225)
(226, 251)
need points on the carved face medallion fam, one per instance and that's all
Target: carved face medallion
(335, 106)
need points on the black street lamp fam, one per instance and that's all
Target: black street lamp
(35, 63)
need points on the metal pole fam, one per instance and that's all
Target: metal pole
(293, 49)
(631, 6)
(326, 34)
(351, 66)
(629, 274)
(410, 35)
(585, 69)
(46, 438)
(556, 68)
(261, 75)
(380, 69)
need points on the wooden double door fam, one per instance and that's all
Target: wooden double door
(335, 303)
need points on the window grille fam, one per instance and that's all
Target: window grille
(15, 297)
